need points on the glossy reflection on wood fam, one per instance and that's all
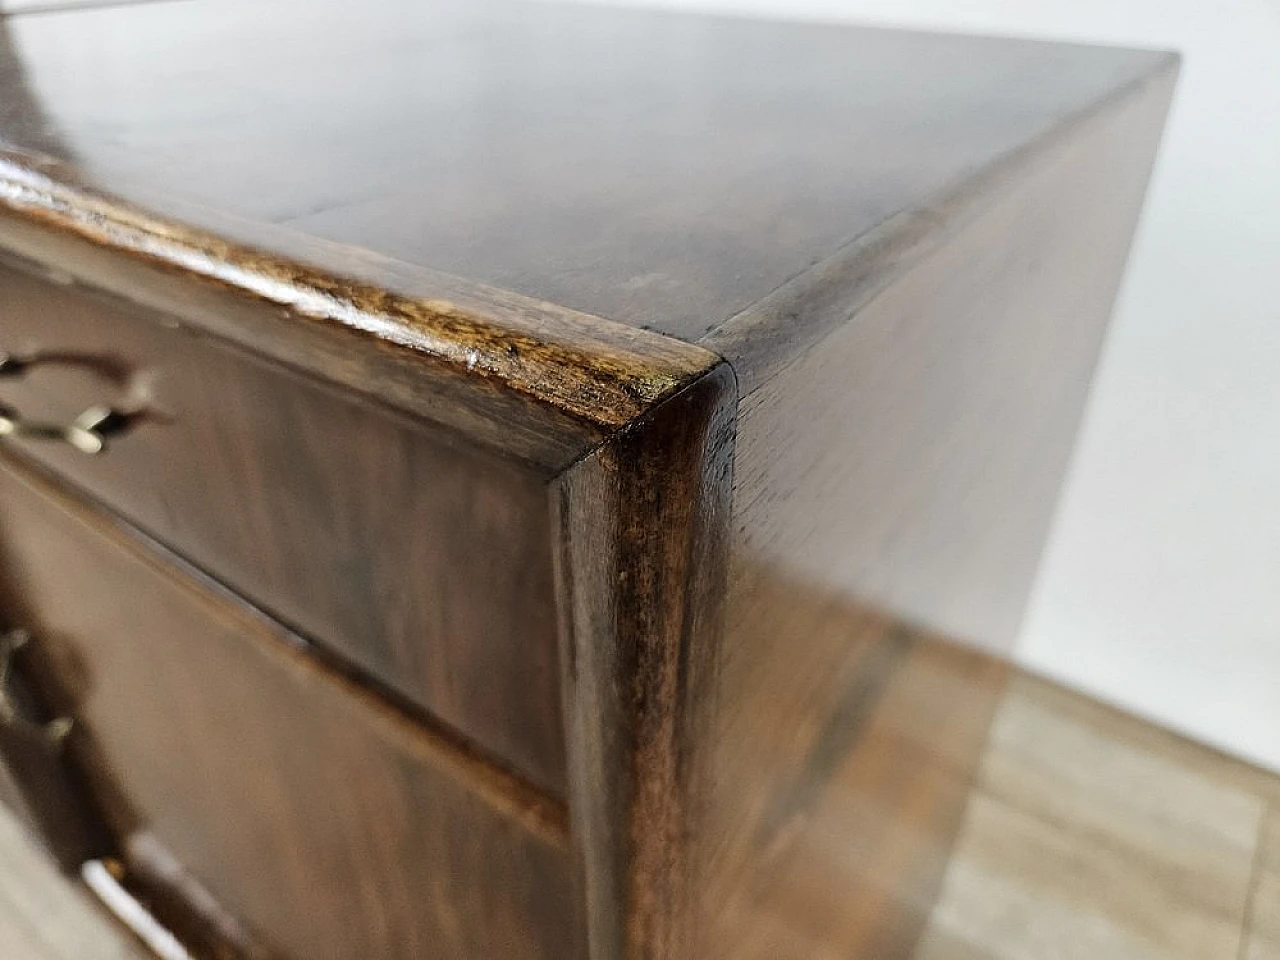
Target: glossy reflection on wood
(664, 171)
(910, 454)
(422, 561)
(329, 825)
(909, 458)
(642, 526)
(768, 342)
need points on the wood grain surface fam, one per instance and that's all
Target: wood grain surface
(899, 471)
(910, 456)
(794, 330)
(524, 378)
(329, 824)
(662, 171)
(423, 561)
(640, 573)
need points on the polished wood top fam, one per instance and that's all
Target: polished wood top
(664, 171)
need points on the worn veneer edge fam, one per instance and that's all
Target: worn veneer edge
(763, 338)
(587, 376)
(597, 372)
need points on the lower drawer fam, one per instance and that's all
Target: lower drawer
(330, 825)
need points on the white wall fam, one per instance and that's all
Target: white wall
(1160, 590)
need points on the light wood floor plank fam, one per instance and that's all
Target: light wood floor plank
(44, 915)
(1263, 934)
(1019, 887)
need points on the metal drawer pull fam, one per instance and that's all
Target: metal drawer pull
(106, 879)
(14, 713)
(87, 433)
(51, 794)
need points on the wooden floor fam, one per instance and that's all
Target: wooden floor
(1088, 835)
(43, 916)
(1092, 835)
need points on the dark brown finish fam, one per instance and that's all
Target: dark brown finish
(908, 461)
(424, 562)
(527, 379)
(37, 778)
(909, 455)
(850, 287)
(662, 171)
(333, 827)
(180, 906)
(641, 531)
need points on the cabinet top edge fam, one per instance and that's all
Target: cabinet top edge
(781, 325)
(593, 376)
(662, 170)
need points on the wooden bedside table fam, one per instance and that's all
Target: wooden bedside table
(485, 480)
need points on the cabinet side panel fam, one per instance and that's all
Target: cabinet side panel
(912, 458)
(894, 483)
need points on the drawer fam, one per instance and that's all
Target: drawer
(422, 561)
(328, 823)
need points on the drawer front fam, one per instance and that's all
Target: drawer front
(425, 563)
(328, 823)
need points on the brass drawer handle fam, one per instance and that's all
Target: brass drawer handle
(15, 712)
(51, 793)
(87, 433)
